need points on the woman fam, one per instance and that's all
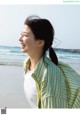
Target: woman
(47, 82)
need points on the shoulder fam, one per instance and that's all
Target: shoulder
(26, 63)
(52, 67)
(52, 71)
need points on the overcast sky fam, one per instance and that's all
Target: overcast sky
(65, 20)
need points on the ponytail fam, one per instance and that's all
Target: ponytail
(53, 56)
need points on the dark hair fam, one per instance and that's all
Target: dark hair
(43, 29)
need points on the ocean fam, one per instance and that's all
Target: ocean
(11, 74)
(14, 56)
(11, 56)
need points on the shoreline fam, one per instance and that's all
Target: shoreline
(5, 63)
(11, 83)
(74, 64)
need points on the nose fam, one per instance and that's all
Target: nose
(20, 38)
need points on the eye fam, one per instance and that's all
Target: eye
(26, 35)
(22, 34)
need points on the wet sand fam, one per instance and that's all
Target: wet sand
(11, 86)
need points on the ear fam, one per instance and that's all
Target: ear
(41, 43)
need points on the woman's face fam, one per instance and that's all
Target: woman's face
(27, 40)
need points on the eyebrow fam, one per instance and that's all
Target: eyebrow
(24, 33)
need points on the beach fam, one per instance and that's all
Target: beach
(11, 87)
(11, 74)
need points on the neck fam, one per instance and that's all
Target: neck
(34, 60)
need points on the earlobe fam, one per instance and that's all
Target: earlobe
(41, 43)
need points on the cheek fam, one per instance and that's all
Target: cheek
(26, 40)
(30, 42)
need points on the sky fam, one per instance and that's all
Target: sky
(64, 18)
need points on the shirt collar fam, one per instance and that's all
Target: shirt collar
(40, 67)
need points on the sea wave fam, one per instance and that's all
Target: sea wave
(11, 62)
(3, 50)
(14, 56)
(69, 56)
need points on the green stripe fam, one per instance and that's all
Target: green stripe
(57, 86)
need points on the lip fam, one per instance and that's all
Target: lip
(22, 45)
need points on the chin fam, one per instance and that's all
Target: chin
(23, 50)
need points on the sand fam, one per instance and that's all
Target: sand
(11, 86)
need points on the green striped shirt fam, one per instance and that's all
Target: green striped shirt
(57, 86)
